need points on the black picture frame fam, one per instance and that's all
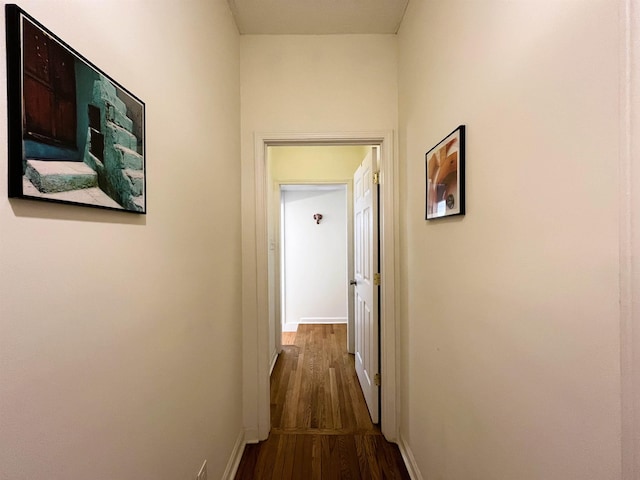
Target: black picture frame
(445, 177)
(76, 136)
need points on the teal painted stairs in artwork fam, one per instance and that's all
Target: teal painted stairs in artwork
(121, 170)
(60, 176)
(111, 170)
(67, 181)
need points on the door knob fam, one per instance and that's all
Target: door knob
(352, 282)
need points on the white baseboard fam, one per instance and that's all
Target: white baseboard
(293, 326)
(234, 460)
(274, 359)
(323, 320)
(251, 436)
(409, 460)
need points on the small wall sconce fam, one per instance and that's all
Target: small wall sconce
(317, 217)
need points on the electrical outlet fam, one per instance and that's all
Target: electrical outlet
(202, 474)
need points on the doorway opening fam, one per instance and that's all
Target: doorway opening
(314, 255)
(322, 276)
(298, 170)
(267, 302)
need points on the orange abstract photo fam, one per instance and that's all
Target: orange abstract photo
(445, 176)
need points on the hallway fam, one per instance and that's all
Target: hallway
(320, 426)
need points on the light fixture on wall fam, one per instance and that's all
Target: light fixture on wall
(317, 217)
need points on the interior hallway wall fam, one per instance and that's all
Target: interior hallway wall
(120, 334)
(511, 319)
(304, 84)
(326, 163)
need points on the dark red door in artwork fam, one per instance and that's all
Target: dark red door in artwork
(49, 89)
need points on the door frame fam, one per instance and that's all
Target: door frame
(629, 234)
(257, 420)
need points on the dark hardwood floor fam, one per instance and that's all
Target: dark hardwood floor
(320, 426)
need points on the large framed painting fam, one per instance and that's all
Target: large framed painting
(445, 176)
(75, 135)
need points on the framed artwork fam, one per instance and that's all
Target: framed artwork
(445, 176)
(75, 135)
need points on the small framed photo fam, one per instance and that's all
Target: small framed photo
(76, 136)
(445, 176)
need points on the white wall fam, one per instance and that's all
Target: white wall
(120, 345)
(307, 84)
(315, 256)
(511, 345)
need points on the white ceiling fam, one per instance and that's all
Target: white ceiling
(317, 17)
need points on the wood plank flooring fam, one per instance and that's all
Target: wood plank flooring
(320, 426)
(288, 338)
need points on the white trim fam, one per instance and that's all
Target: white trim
(276, 262)
(290, 327)
(629, 231)
(409, 459)
(234, 459)
(389, 218)
(256, 361)
(274, 359)
(262, 298)
(322, 320)
(251, 435)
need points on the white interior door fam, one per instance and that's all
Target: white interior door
(365, 210)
